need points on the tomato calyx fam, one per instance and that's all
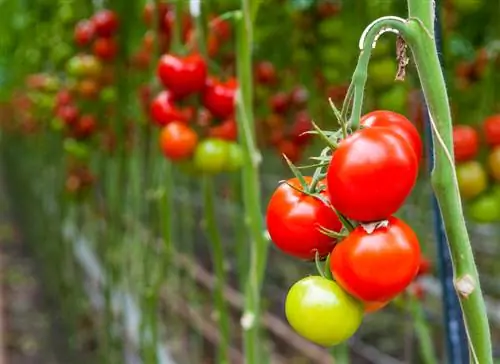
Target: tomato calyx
(372, 226)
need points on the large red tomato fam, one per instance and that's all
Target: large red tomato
(178, 141)
(398, 123)
(182, 76)
(371, 174)
(492, 130)
(163, 110)
(465, 142)
(219, 97)
(377, 266)
(105, 22)
(294, 220)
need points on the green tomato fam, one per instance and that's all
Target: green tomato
(84, 66)
(472, 179)
(395, 99)
(211, 156)
(235, 157)
(76, 149)
(322, 312)
(485, 209)
(381, 72)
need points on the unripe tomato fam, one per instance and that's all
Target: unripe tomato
(219, 97)
(494, 163)
(178, 141)
(84, 66)
(105, 48)
(182, 76)
(84, 32)
(211, 156)
(472, 179)
(398, 123)
(234, 157)
(294, 220)
(321, 311)
(88, 88)
(360, 262)
(163, 110)
(492, 130)
(465, 142)
(105, 22)
(486, 209)
(362, 168)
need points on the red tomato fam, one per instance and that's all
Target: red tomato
(371, 174)
(465, 143)
(280, 103)
(293, 221)
(84, 32)
(182, 76)
(85, 126)
(492, 130)
(105, 22)
(68, 114)
(105, 48)
(227, 130)
(397, 123)
(417, 290)
(301, 124)
(221, 28)
(178, 141)
(371, 307)
(290, 149)
(63, 97)
(163, 110)
(219, 97)
(265, 73)
(187, 23)
(299, 96)
(376, 266)
(425, 266)
(150, 11)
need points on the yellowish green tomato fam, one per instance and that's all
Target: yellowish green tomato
(494, 163)
(485, 209)
(472, 179)
(211, 156)
(322, 312)
(234, 157)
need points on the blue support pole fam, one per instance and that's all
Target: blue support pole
(456, 339)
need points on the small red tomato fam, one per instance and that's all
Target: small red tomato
(150, 11)
(417, 290)
(220, 28)
(178, 141)
(397, 123)
(280, 103)
(105, 23)
(105, 48)
(163, 110)
(265, 73)
(85, 126)
(294, 220)
(182, 76)
(465, 143)
(84, 32)
(299, 96)
(424, 267)
(379, 265)
(68, 114)
(290, 149)
(219, 97)
(63, 97)
(227, 130)
(492, 130)
(301, 125)
(371, 173)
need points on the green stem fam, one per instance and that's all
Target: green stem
(177, 36)
(422, 330)
(341, 354)
(251, 187)
(218, 261)
(444, 179)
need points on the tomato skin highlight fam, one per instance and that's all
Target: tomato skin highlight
(320, 311)
(182, 76)
(178, 141)
(377, 266)
(465, 143)
(293, 221)
(371, 174)
(398, 123)
(492, 130)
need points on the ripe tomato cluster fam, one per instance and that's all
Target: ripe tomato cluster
(98, 32)
(346, 217)
(478, 173)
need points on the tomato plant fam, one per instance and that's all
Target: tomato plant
(360, 262)
(319, 310)
(364, 166)
(294, 220)
(485, 209)
(182, 76)
(465, 143)
(472, 179)
(491, 128)
(178, 141)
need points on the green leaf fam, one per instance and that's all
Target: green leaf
(296, 172)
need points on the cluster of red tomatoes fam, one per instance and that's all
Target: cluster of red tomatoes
(346, 216)
(473, 178)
